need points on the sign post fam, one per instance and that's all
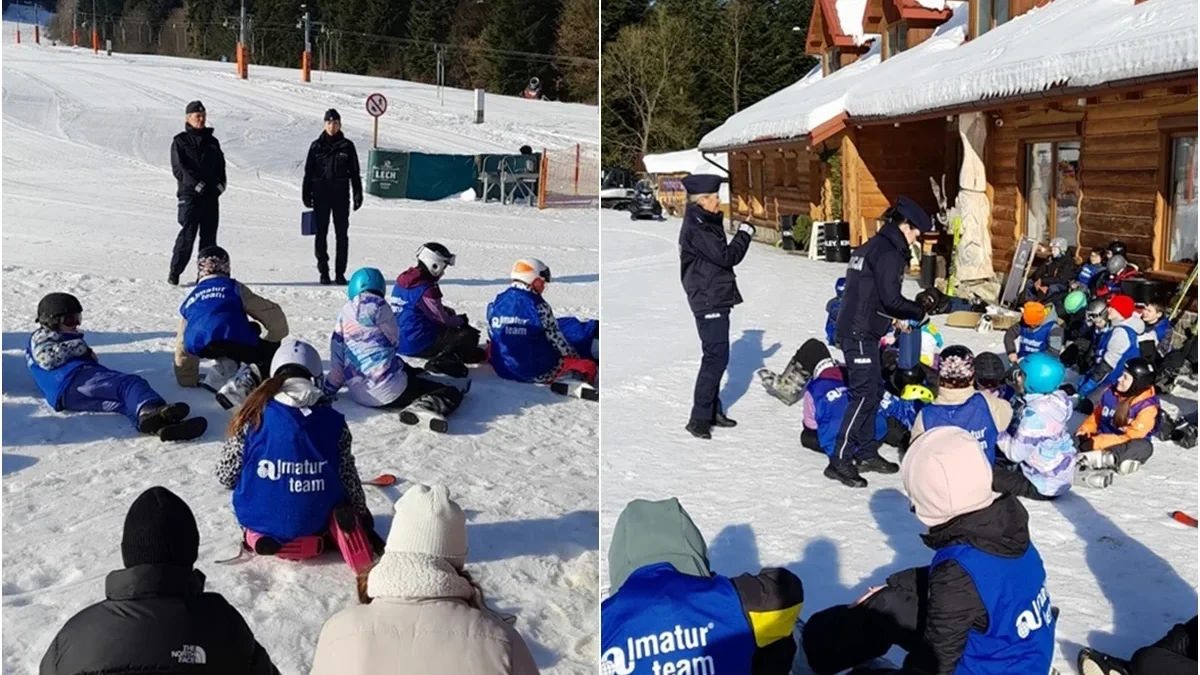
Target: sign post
(376, 105)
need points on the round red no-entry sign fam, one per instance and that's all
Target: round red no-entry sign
(376, 105)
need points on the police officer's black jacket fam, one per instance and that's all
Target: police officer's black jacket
(331, 168)
(706, 261)
(873, 286)
(157, 619)
(196, 157)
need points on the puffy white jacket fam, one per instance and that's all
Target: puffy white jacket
(419, 621)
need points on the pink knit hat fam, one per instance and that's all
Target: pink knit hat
(946, 475)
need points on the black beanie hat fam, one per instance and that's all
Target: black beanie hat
(811, 354)
(989, 368)
(160, 530)
(332, 115)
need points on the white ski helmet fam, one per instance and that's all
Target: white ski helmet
(293, 352)
(529, 270)
(435, 257)
(1058, 244)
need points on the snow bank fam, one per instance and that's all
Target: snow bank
(1066, 43)
(805, 105)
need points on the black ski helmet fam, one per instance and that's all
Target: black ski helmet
(1143, 376)
(990, 370)
(1116, 247)
(55, 306)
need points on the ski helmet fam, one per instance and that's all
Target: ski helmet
(1033, 313)
(839, 286)
(917, 392)
(1058, 244)
(990, 370)
(436, 258)
(52, 308)
(1143, 376)
(1097, 309)
(1043, 373)
(1116, 247)
(1075, 301)
(212, 260)
(956, 367)
(298, 357)
(366, 279)
(1116, 264)
(529, 270)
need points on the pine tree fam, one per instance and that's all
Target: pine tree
(429, 23)
(616, 14)
(577, 28)
(525, 26)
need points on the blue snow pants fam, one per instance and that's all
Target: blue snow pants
(94, 388)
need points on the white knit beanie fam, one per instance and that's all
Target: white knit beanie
(946, 475)
(428, 522)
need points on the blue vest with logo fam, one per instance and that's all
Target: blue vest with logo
(973, 415)
(520, 349)
(1086, 272)
(664, 621)
(290, 481)
(1033, 340)
(53, 383)
(1134, 351)
(1162, 330)
(417, 331)
(830, 398)
(1108, 410)
(1020, 634)
(903, 410)
(214, 313)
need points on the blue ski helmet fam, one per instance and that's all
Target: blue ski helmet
(839, 286)
(1043, 373)
(366, 279)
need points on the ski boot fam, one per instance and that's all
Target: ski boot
(426, 411)
(234, 392)
(1098, 663)
(169, 422)
(1095, 478)
(218, 374)
(351, 540)
(1184, 434)
(1097, 460)
(720, 420)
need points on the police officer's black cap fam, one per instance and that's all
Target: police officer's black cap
(195, 107)
(701, 184)
(914, 214)
(332, 115)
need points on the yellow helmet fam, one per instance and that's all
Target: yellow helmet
(917, 392)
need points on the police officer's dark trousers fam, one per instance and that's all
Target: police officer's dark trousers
(856, 436)
(196, 216)
(335, 203)
(713, 327)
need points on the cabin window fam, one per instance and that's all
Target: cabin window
(1181, 211)
(1051, 191)
(989, 14)
(833, 60)
(895, 39)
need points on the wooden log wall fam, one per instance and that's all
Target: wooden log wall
(785, 172)
(1123, 152)
(889, 162)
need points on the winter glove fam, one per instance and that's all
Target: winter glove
(200, 188)
(1068, 389)
(1085, 406)
(1084, 443)
(357, 201)
(220, 189)
(308, 201)
(747, 228)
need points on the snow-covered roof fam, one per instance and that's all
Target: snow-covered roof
(939, 5)
(689, 161)
(850, 18)
(1073, 43)
(799, 109)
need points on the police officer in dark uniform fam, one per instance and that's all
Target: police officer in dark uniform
(199, 168)
(706, 267)
(331, 180)
(871, 304)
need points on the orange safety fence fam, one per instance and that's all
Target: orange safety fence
(569, 177)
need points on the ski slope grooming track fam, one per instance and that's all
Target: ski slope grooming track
(1119, 568)
(89, 208)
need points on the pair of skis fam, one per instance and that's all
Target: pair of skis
(243, 554)
(575, 389)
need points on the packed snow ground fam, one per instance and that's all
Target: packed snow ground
(1119, 569)
(89, 207)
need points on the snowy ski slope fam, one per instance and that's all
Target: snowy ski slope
(1119, 569)
(89, 208)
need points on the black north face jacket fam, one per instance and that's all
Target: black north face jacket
(157, 619)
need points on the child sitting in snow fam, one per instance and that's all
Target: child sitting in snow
(831, 310)
(70, 376)
(958, 404)
(289, 461)
(1041, 446)
(215, 326)
(1156, 337)
(363, 357)
(1033, 334)
(428, 329)
(527, 342)
(1089, 271)
(991, 377)
(1116, 437)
